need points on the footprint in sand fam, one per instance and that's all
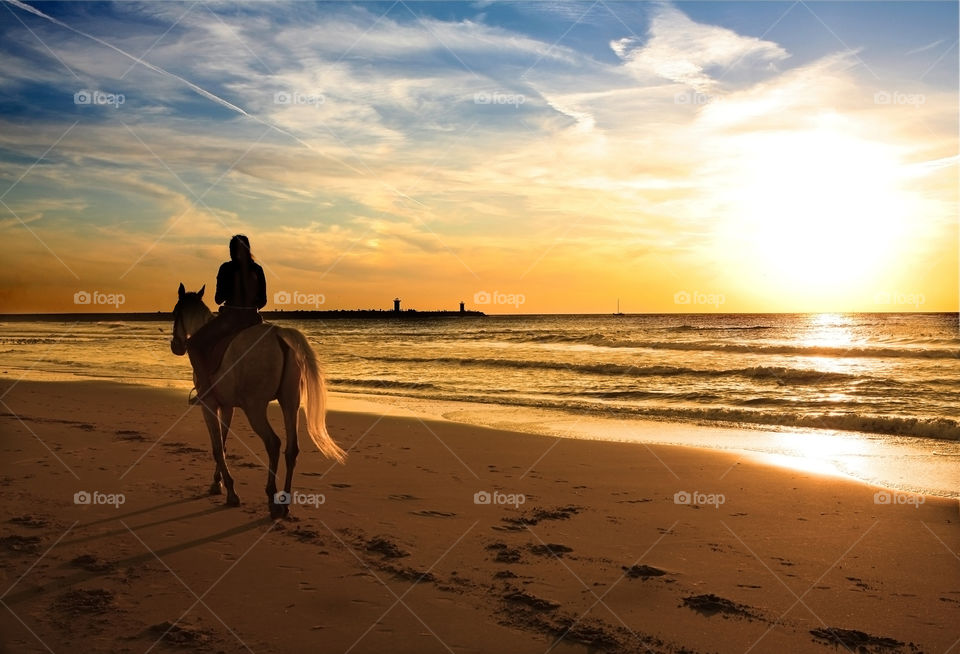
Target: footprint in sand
(175, 634)
(90, 563)
(549, 549)
(855, 641)
(534, 602)
(306, 535)
(386, 547)
(642, 572)
(129, 435)
(21, 544)
(409, 574)
(78, 602)
(711, 604)
(859, 583)
(505, 554)
(426, 513)
(33, 522)
(183, 448)
(537, 515)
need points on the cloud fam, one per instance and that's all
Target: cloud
(923, 48)
(681, 50)
(398, 173)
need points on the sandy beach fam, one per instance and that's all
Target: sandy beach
(392, 552)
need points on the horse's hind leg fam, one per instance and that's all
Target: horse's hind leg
(290, 404)
(214, 426)
(226, 416)
(258, 420)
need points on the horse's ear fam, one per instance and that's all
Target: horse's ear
(200, 292)
(181, 291)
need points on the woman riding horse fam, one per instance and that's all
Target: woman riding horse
(242, 292)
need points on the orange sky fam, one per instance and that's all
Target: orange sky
(676, 159)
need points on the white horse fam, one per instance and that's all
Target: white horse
(263, 363)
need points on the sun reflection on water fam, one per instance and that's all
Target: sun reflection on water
(814, 452)
(829, 330)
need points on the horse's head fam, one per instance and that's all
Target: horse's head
(189, 315)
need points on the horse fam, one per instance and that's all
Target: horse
(262, 363)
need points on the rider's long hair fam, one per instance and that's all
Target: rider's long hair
(238, 241)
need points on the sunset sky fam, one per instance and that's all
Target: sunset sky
(720, 156)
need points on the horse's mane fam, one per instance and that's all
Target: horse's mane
(193, 297)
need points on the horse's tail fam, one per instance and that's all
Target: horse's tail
(313, 393)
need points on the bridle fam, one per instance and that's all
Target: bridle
(178, 342)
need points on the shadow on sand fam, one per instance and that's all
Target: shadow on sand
(146, 556)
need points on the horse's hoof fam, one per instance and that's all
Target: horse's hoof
(233, 500)
(216, 488)
(277, 511)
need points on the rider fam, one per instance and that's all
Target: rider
(242, 290)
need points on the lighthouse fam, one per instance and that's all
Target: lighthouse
(396, 304)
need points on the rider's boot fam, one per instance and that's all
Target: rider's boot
(201, 381)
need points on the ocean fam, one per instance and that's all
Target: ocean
(892, 378)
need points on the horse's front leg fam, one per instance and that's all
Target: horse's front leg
(226, 416)
(211, 415)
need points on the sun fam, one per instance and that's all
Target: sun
(815, 210)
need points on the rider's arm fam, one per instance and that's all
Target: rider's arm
(224, 284)
(261, 288)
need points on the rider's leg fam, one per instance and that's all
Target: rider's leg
(199, 346)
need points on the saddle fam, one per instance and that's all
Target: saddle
(215, 357)
(238, 322)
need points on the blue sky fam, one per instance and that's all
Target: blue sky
(450, 147)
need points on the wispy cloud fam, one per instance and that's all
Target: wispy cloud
(682, 50)
(923, 48)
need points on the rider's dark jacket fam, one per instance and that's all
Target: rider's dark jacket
(232, 291)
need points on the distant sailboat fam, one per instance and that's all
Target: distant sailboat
(618, 313)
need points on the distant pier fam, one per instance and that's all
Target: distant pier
(341, 314)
